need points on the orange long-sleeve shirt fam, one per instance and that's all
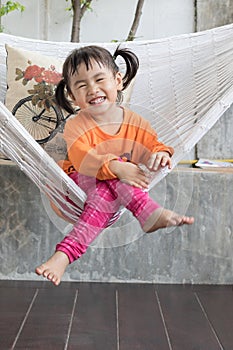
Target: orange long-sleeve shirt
(90, 149)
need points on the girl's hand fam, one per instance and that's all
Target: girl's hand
(129, 173)
(159, 159)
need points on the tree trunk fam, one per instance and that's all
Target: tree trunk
(75, 35)
(79, 8)
(138, 13)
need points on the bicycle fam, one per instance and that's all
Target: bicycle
(41, 123)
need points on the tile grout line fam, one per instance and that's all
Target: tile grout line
(163, 320)
(71, 320)
(117, 321)
(208, 320)
(25, 319)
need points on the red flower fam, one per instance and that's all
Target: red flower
(39, 79)
(51, 77)
(33, 72)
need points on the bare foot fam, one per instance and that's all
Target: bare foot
(54, 268)
(162, 218)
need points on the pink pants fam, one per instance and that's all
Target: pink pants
(104, 199)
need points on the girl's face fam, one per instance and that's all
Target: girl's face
(96, 87)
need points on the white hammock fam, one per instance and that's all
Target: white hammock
(184, 85)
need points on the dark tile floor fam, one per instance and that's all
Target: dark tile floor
(102, 316)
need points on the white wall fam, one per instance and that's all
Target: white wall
(48, 20)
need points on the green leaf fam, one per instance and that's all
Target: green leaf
(10, 6)
(31, 92)
(19, 77)
(38, 87)
(24, 82)
(18, 71)
(35, 99)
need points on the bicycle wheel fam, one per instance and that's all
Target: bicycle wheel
(39, 122)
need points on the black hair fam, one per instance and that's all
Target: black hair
(103, 57)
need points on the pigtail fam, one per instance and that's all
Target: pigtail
(132, 65)
(61, 97)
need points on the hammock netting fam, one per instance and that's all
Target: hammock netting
(183, 86)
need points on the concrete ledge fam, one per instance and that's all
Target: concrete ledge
(201, 253)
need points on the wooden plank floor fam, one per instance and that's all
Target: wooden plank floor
(102, 316)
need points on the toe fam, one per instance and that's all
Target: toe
(57, 281)
(39, 270)
(50, 276)
(188, 220)
(46, 273)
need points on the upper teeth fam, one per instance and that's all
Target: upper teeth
(97, 100)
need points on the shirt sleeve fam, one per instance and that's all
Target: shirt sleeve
(86, 161)
(148, 143)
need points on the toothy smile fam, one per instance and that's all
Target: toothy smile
(97, 100)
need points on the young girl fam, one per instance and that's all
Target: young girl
(106, 143)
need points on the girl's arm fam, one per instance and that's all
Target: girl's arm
(159, 159)
(129, 173)
(82, 144)
(147, 145)
(87, 161)
(105, 167)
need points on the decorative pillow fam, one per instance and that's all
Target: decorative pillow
(31, 80)
(30, 74)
